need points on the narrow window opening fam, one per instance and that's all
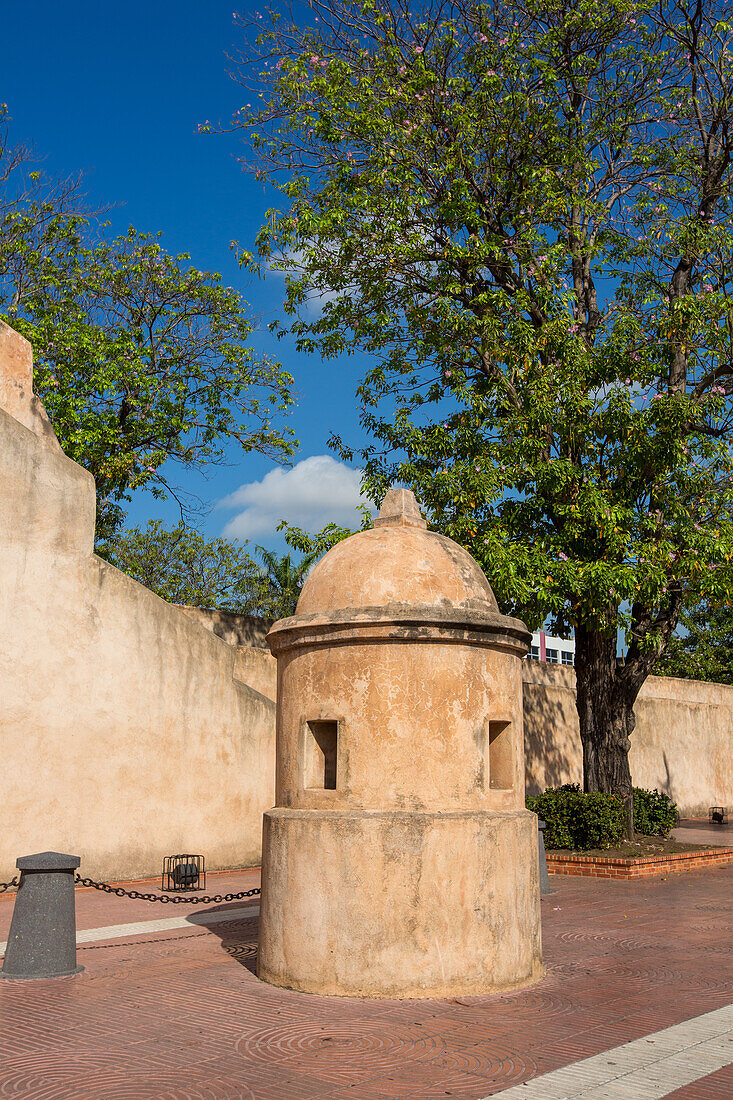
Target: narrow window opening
(500, 756)
(321, 751)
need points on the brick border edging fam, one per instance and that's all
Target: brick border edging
(617, 867)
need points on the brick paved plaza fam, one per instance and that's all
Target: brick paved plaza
(176, 1011)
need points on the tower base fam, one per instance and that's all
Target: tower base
(400, 904)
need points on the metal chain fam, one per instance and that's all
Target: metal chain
(177, 899)
(6, 885)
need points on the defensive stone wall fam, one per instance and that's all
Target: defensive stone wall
(131, 728)
(682, 744)
(128, 730)
(254, 664)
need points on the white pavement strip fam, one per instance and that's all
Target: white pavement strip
(143, 927)
(645, 1069)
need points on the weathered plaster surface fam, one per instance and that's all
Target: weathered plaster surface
(16, 384)
(412, 871)
(127, 732)
(440, 573)
(414, 725)
(393, 904)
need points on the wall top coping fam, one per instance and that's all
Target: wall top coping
(673, 688)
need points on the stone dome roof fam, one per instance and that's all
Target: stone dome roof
(398, 562)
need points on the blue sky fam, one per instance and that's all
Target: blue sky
(118, 91)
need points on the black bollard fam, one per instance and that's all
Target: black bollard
(545, 887)
(42, 938)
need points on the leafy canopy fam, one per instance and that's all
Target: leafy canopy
(181, 566)
(282, 581)
(522, 211)
(141, 360)
(705, 650)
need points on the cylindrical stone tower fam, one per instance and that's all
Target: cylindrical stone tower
(399, 860)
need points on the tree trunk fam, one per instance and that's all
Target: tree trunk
(606, 715)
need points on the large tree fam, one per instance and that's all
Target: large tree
(142, 361)
(522, 211)
(182, 566)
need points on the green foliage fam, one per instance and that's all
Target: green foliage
(181, 566)
(705, 650)
(465, 200)
(581, 821)
(460, 182)
(141, 361)
(655, 814)
(281, 581)
(577, 820)
(314, 546)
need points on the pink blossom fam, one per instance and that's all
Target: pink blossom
(419, 49)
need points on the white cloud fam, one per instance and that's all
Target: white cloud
(316, 491)
(293, 265)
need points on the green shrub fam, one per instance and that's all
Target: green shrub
(655, 814)
(579, 821)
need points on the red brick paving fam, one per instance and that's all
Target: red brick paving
(180, 1014)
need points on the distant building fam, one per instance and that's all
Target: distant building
(556, 651)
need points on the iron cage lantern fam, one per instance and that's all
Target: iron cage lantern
(183, 872)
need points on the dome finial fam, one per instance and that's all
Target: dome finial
(399, 509)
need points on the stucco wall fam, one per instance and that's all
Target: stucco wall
(127, 732)
(253, 664)
(247, 630)
(682, 744)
